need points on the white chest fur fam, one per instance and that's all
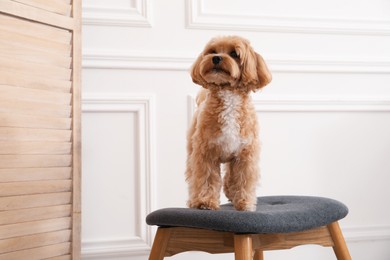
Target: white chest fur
(230, 140)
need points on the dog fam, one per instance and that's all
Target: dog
(224, 128)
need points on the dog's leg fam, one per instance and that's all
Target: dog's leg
(204, 184)
(227, 182)
(244, 176)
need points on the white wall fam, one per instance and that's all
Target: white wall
(325, 118)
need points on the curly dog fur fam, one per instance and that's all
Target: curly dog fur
(224, 128)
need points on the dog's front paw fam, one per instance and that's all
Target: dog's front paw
(244, 205)
(208, 205)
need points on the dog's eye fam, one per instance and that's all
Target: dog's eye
(233, 54)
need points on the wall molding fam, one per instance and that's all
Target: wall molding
(108, 59)
(199, 18)
(366, 233)
(310, 104)
(322, 104)
(328, 64)
(111, 248)
(144, 108)
(139, 60)
(136, 14)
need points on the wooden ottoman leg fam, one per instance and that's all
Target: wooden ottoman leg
(258, 255)
(160, 243)
(243, 247)
(340, 247)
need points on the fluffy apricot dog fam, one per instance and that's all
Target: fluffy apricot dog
(224, 128)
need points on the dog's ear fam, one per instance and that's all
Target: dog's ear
(263, 73)
(195, 72)
(255, 73)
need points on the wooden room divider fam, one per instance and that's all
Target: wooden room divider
(40, 167)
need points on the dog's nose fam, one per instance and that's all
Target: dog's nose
(217, 59)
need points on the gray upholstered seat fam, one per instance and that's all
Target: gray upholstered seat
(274, 214)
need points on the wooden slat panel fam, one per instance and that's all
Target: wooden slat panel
(25, 53)
(35, 174)
(7, 147)
(34, 187)
(15, 120)
(36, 69)
(27, 161)
(35, 130)
(38, 131)
(31, 201)
(29, 134)
(54, 6)
(33, 56)
(22, 26)
(29, 81)
(39, 240)
(31, 42)
(22, 54)
(31, 13)
(26, 215)
(62, 257)
(34, 108)
(33, 227)
(35, 95)
(39, 252)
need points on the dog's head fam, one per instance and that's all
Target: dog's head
(230, 61)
